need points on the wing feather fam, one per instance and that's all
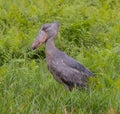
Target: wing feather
(67, 74)
(76, 65)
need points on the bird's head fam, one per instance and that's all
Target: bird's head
(47, 31)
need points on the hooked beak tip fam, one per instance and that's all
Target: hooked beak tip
(33, 48)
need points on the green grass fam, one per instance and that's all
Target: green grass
(89, 32)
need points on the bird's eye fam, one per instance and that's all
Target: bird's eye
(44, 28)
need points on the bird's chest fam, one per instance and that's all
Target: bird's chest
(51, 65)
(54, 70)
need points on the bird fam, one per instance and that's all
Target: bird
(64, 68)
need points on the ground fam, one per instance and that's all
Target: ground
(89, 32)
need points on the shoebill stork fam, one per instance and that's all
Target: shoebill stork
(64, 68)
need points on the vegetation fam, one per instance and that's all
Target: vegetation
(89, 32)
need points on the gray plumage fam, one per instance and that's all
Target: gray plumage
(63, 68)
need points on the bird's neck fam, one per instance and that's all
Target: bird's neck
(50, 48)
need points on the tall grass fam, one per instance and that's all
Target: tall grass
(89, 32)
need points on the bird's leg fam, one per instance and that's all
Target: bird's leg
(68, 88)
